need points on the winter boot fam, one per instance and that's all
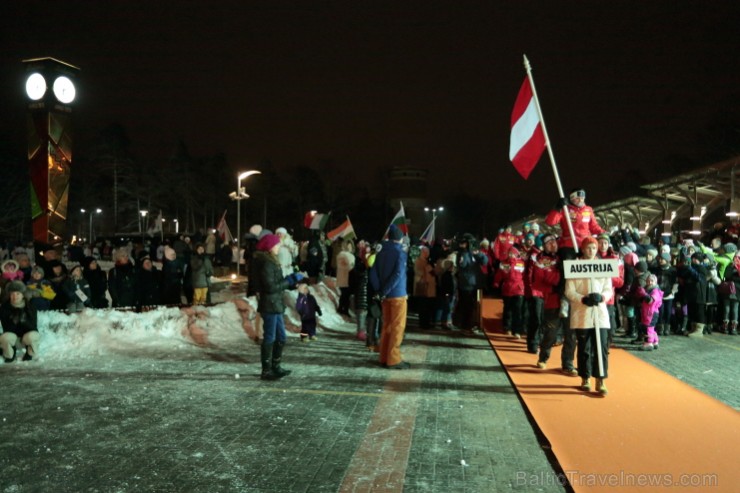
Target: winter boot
(697, 330)
(12, 358)
(725, 327)
(277, 356)
(733, 329)
(664, 329)
(586, 384)
(631, 330)
(683, 330)
(601, 386)
(266, 358)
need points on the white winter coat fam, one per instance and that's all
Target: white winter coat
(582, 316)
(345, 263)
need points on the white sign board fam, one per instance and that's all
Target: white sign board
(591, 269)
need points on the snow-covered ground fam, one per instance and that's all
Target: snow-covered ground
(181, 333)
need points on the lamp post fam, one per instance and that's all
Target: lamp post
(142, 223)
(177, 226)
(238, 196)
(434, 211)
(96, 211)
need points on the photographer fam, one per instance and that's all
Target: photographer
(469, 264)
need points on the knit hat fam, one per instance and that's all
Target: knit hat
(730, 247)
(641, 266)
(632, 246)
(16, 287)
(549, 237)
(394, 233)
(281, 231)
(170, 253)
(652, 251)
(39, 269)
(267, 242)
(603, 236)
(255, 230)
(625, 250)
(665, 249)
(535, 227)
(666, 256)
(589, 240)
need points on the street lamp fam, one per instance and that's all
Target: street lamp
(96, 211)
(177, 226)
(142, 223)
(238, 196)
(434, 211)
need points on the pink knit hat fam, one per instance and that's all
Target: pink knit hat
(267, 242)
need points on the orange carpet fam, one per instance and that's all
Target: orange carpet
(651, 433)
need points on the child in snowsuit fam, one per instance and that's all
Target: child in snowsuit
(39, 290)
(652, 297)
(307, 308)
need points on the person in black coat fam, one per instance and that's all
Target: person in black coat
(271, 284)
(57, 275)
(77, 290)
(122, 281)
(98, 282)
(172, 275)
(148, 284)
(693, 279)
(18, 320)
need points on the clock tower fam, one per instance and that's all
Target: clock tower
(50, 92)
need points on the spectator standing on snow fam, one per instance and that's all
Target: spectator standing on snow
(122, 280)
(97, 281)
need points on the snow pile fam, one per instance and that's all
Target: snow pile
(164, 332)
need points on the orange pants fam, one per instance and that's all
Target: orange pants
(394, 326)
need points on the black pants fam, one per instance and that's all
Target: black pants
(588, 362)
(549, 333)
(466, 309)
(536, 308)
(513, 314)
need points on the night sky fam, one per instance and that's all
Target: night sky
(370, 84)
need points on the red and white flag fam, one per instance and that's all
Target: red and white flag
(223, 230)
(527, 136)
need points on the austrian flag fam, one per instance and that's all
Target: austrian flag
(527, 136)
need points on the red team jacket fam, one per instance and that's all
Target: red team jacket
(583, 220)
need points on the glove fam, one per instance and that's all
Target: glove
(586, 300)
(596, 298)
(647, 298)
(562, 202)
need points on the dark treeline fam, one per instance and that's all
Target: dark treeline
(106, 173)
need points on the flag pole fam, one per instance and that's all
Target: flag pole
(528, 68)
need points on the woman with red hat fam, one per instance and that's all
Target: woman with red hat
(270, 283)
(588, 313)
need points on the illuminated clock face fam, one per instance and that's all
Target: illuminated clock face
(36, 86)
(64, 89)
